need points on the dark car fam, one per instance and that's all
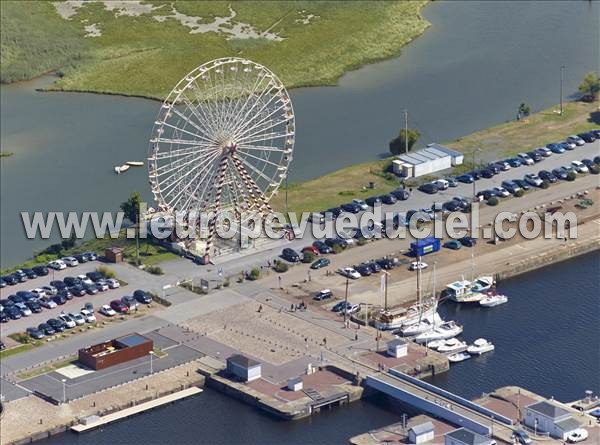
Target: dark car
(453, 244)
(142, 296)
(95, 276)
(81, 257)
(46, 329)
(428, 188)
(16, 299)
(535, 156)
(331, 242)
(10, 280)
(465, 179)
(91, 289)
(20, 275)
(521, 437)
(596, 159)
(450, 206)
(475, 174)
(587, 137)
(511, 186)
(560, 173)
(34, 306)
(30, 273)
(514, 162)
(13, 312)
(588, 163)
(400, 194)
(556, 148)
(325, 294)
(66, 293)
(119, 306)
(288, 254)
(333, 212)
(386, 263)
(41, 271)
(373, 201)
(92, 256)
(77, 290)
(487, 173)
(26, 295)
(3, 283)
(321, 262)
(375, 268)
(495, 168)
(322, 247)
(59, 299)
(35, 333)
(462, 202)
(487, 194)
(452, 182)
(567, 146)
(522, 183)
(363, 269)
(4, 317)
(72, 281)
(351, 207)
(57, 325)
(58, 284)
(545, 175)
(468, 241)
(388, 199)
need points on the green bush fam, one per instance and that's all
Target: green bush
(571, 176)
(545, 185)
(254, 274)
(106, 271)
(226, 283)
(594, 169)
(154, 270)
(493, 201)
(361, 241)
(308, 257)
(519, 193)
(281, 267)
(337, 248)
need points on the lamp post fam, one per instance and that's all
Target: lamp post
(346, 301)
(64, 383)
(151, 355)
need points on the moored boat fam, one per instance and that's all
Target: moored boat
(135, 163)
(446, 330)
(493, 299)
(121, 168)
(426, 324)
(480, 346)
(452, 346)
(461, 356)
(435, 344)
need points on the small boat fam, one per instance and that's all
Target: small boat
(135, 163)
(121, 168)
(446, 330)
(480, 346)
(435, 344)
(493, 299)
(452, 346)
(460, 357)
(424, 325)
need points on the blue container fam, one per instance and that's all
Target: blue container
(424, 246)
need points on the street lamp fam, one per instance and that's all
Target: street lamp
(64, 383)
(151, 355)
(346, 301)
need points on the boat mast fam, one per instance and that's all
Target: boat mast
(473, 264)
(419, 282)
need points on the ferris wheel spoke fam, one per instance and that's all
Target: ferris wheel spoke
(265, 137)
(242, 98)
(266, 118)
(193, 148)
(174, 127)
(258, 114)
(264, 126)
(252, 93)
(204, 129)
(198, 111)
(258, 172)
(259, 159)
(244, 147)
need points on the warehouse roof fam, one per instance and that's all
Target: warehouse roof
(549, 410)
(469, 437)
(242, 360)
(430, 153)
(423, 428)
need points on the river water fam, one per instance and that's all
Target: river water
(547, 340)
(470, 70)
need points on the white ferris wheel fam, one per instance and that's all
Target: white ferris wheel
(222, 141)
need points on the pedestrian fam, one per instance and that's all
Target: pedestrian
(269, 264)
(292, 308)
(356, 336)
(260, 308)
(324, 341)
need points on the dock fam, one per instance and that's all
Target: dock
(142, 407)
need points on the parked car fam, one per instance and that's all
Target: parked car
(579, 167)
(84, 279)
(501, 191)
(476, 174)
(89, 307)
(34, 306)
(388, 199)
(465, 179)
(495, 169)
(386, 263)
(3, 283)
(339, 307)
(588, 137)
(13, 312)
(72, 281)
(91, 289)
(588, 163)
(35, 333)
(511, 186)
(418, 265)
(142, 296)
(487, 173)
(65, 293)
(336, 242)
(77, 318)
(525, 158)
(441, 184)
(449, 206)
(349, 272)
(95, 276)
(576, 140)
(113, 283)
(321, 262)
(316, 218)
(70, 261)
(49, 290)
(560, 173)
(322, 247)
(568, 145)
(102, 285)
(57, 265)
(453, 244)
(131, 302)
(59, 299)
(81, 258)
(77, 290)
(47, 303)
(537, 157)
(26, 295)
(91, 255)
(375, 268)
(363, 269)
(351, 207)
(360, 203)
(545, 175)
(11, 280)
(16, 299)
(400, 194)
(290, 255)
(107, 310)
(522, 183)
(486, 194)
(468, 241)
(30, 273)
(324, 294)
(119, 306)
(4, 316)
(41, 271)
(452, 182)
(88, 316)
(533, 179)
(429, 188)
(578, 435)
(351, 308)
(521, 437)
(22, 307)
(556, 148)
(462, 202)
(514, 162)
(56, 324)
(544, 151)
(20, 275)
(46, 329)
(372, 201)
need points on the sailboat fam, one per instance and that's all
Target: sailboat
(426, 322)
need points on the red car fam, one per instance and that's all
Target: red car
(311, 249)
(119, 306)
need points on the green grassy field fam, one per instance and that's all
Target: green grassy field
(306, 43)
(496, 142)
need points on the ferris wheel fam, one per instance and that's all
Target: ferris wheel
(223, 140)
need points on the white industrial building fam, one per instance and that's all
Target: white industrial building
(421, 433)
(433, 158)
(397, 348)
(463, 436)
(545, 417)
(244, 368)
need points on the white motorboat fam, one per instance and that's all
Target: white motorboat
(491, 300)
(135, 163)
(426, 324)
(482, 284)
(480, 346)
(121, 168)
(461, 356)
(446, 330)
(435, 344)
(452, 346)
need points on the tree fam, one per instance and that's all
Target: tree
(308, 257)
(590, 86)
(131, 209)
(398, 144)
(524, 109)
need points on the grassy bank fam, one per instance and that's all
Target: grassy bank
(495, 142)
(144, 51)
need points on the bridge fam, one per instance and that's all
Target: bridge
(442, 404)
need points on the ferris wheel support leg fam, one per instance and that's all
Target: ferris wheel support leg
(258, 195)
(212, 224)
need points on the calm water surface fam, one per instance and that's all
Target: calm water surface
(471, 69)
(547, 340)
